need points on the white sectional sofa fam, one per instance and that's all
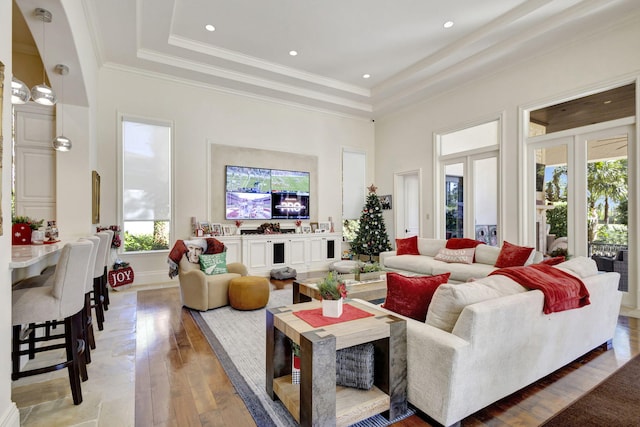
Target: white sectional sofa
(492, 339)
(425, 264)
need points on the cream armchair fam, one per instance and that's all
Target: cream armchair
(202, 292)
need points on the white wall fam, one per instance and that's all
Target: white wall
(9, 415)
(201, 115)
(404, 139)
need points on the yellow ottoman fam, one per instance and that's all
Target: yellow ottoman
(248, 292)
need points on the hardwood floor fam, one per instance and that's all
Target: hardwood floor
(179, 380)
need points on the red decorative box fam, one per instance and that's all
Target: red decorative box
(21, 234)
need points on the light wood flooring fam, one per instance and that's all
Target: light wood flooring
(179, 381)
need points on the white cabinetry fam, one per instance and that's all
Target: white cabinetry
(234, 247)
(35, 162)
(261, 253)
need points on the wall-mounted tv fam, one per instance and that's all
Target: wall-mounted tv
(258, 193)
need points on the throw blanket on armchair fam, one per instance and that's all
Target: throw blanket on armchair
(562, 291)
(194, 248)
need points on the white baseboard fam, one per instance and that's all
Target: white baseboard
(10, 417)
(152, 277)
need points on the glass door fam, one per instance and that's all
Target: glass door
(454, 200)
(581, 197)
(607, 200)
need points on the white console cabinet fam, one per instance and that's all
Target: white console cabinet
(234, 247)
(261, 253)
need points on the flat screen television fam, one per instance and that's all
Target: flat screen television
(259, 193)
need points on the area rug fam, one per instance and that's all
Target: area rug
(613, 402)
(238, 339)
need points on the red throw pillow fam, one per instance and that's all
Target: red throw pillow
(411, 296)
(512, 255)
(408, 246)
(462, 243)
(553, 260)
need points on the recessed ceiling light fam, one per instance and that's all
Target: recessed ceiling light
(366, 76)
(293, 52)
(448, 24)
(209, 27)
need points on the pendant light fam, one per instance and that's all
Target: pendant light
(19, 92)
(43, 94)
(62, 143)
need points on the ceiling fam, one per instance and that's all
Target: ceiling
(401, 44)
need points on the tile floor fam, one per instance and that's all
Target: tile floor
(108, 395)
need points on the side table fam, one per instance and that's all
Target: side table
(317, 401)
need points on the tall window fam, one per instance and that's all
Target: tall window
(146, 184)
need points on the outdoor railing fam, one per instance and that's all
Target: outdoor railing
(605, 249)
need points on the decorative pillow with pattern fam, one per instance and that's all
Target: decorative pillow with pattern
(214, 263)
(462, 256)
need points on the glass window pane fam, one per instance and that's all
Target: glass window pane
(353, 184)
(484, 135)
(147, 171)
(607, 192)
(485, 193)
(146, 235)
(551, 200)
(454, 200)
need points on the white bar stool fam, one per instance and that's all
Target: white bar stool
(61, 297)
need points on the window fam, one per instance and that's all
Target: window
(353, 191)
(146, 184)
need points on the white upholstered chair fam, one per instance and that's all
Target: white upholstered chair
(61, 297)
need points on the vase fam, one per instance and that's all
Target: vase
(332, 307)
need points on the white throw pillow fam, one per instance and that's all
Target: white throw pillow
(462, 256)
(579, 266)
(450, 299)
(430, 247)
(486, 254)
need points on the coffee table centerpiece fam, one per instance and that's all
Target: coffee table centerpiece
(333, 291)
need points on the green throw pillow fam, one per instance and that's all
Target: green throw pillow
(214, 263)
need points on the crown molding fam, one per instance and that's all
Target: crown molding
(174, 61)
(228, 55)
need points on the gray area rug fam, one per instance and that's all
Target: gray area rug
(238, 338)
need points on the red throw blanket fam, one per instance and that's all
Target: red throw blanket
(214, 246)
(562, 291)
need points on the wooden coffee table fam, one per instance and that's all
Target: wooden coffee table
(317, 400)
(370, 290)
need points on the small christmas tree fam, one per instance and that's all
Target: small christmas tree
(371, 238)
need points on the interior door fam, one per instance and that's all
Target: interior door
(408, 206)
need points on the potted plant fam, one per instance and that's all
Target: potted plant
(367, 271)
(333, 291)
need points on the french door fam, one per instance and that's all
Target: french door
(470, 195)
(579, 193)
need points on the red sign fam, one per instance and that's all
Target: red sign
(121, 277)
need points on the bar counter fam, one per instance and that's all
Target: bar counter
(30, 260)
